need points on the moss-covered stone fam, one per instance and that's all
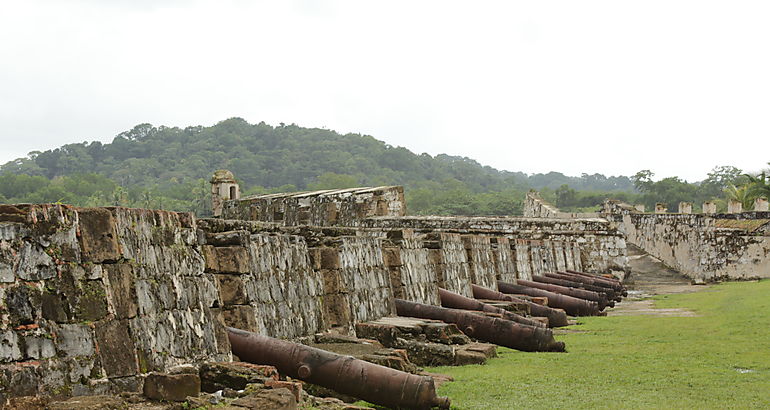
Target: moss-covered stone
(91, 301)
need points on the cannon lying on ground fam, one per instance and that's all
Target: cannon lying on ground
(564, 280)
(597, 280)
(486, 329)
(456, 301)
(599, 298)
(573, 306)
(343, 374)
(556, 317)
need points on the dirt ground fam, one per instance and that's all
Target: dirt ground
(649, 277)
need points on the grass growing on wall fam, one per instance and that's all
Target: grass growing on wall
(719, 359)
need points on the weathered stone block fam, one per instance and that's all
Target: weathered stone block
(392, 257)
(330, 258)
(227, 259)
(39, 347)
(98, 238)
(231, 290)
(27, 403)
(385, 334)
(336, 310)
(6, 273)
(91, 301)
(428, 354)
(74, 340)
(465, 357)
(55, 307)
(89, 403)
(216, 376)
(445, 333)
(171, 387)
(332, 281)
(240, 317)
(22, 380)
(9, 346)
(229, 238)
(275, 399)
(220, 334)
(294, 387)
(435, 257)
(22, 302)
(120, 277)
(210, 258)
(116, 348)
(34, 263)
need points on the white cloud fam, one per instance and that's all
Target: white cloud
(612, 87)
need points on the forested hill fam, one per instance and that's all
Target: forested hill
(169, 168)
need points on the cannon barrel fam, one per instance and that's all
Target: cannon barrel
(599, 298)
(614, 282)
(597, 280)
(343, 374)
(487, 329)
(573, 306)
(456, 301)
(564, 280)
(556, 317)
(593, 281)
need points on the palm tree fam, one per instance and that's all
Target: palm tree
(740, 194)
(759, 185)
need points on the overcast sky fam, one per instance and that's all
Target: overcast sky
(613, 87)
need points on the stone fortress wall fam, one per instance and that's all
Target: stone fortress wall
(704, 247)
(93, 299)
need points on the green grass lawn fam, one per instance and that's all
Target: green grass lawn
(639, 361)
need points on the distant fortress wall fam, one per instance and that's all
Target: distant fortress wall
(705, 247)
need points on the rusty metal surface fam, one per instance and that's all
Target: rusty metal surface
(610, 280)
(344, 374)
(487, 329)
(456, 301)
(589, 280)
(564, 280)
(556, 317)
(599, 298)
(598, 280)
(573, 306)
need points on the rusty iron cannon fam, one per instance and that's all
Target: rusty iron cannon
(599, 298)
(596, 281)
(343, 374)
(573, 306)
(457, 301)
(612, 282)
(606, 278)
(563, 280)
(487, 329)
(556, 317)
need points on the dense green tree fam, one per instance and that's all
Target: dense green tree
(167, 167)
